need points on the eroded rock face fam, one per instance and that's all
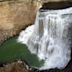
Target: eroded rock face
(16, 15)
(18, 66)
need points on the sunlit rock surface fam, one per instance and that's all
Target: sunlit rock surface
(16, 15)
(49, 38)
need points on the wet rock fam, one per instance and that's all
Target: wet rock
(18, 66)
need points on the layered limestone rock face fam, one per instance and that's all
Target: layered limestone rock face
(16, 15)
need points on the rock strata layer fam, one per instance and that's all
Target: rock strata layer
(16, 15)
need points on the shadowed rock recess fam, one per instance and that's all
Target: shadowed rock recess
(16, 15)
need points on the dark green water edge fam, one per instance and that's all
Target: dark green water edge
(11, 50)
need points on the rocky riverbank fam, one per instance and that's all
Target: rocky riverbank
(18, 66)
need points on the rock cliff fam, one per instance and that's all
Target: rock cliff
(15, 15)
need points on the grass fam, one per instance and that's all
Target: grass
(11, 50)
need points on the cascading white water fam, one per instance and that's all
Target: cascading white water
(48, 38)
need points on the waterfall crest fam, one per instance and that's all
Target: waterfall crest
(49, 38)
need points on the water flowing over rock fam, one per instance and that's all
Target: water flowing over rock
(49, 38)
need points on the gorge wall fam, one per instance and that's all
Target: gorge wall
(15, 15)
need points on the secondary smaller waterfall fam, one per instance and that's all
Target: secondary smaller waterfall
(49, 37)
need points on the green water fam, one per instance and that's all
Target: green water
(11, 50)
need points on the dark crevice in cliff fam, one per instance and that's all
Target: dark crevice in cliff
(57, 5)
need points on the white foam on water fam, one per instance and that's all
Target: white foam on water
(48, 38)
(25, 34)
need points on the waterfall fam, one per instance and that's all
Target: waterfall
(49, 37)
